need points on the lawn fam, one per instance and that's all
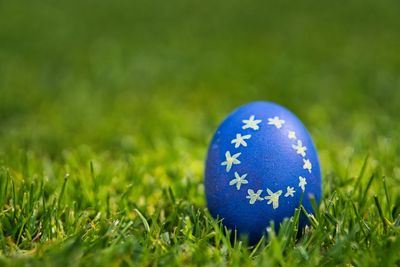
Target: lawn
(107, 109)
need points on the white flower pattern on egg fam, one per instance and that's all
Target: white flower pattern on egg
(307, 165)
(292, 135)
(253, 196)
(273, 198)
(240, 140)
(230, 160)
(302, 183)
(276, 121)
(300, 149)
(251, 123)
(239, 180)
(290, 191)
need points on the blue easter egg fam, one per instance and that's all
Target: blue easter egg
(260, 162)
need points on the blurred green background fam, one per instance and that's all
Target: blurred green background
(95, 72)
(116, 82)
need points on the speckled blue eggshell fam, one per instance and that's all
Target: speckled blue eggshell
(277, 156)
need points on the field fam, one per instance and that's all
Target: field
(107, 109)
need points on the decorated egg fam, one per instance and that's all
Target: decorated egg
(261, 164)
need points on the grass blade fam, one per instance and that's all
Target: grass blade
(144, 221)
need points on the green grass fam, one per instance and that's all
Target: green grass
(107, 108)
